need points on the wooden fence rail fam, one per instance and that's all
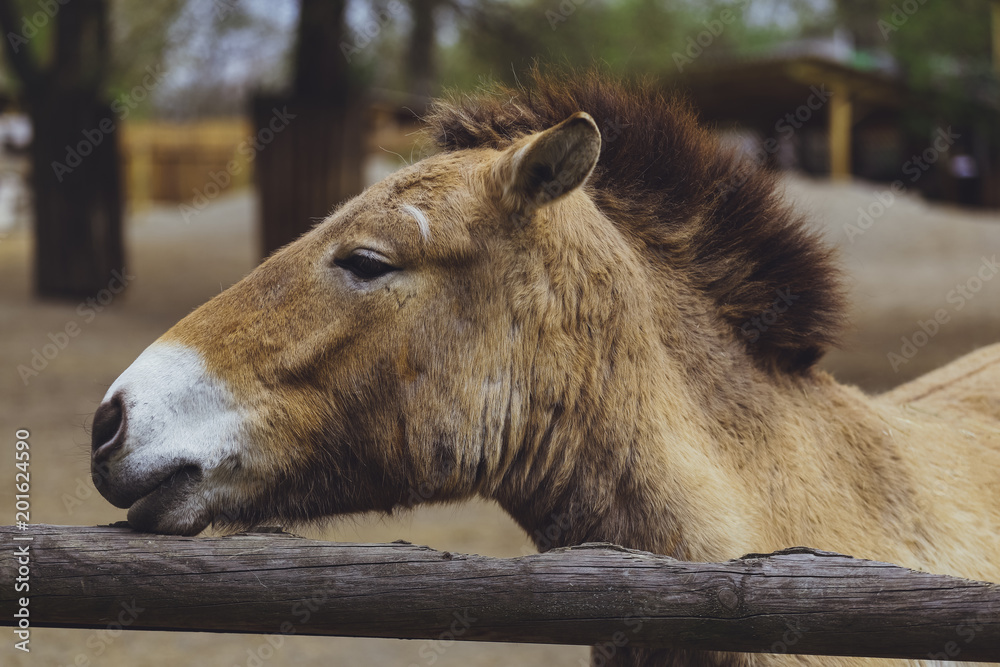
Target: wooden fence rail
(797, 601)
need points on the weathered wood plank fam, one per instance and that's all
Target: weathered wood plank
(796, 601)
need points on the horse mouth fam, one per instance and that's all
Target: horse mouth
(172, 506)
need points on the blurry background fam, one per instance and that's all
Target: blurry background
(153, 151)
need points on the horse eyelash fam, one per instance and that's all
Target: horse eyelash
(356, 265)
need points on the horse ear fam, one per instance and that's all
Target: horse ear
(549, 164)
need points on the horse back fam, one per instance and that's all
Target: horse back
(967, 388)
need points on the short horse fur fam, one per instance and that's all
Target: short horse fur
(554, 313)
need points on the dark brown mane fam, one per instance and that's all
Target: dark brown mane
(664, 179)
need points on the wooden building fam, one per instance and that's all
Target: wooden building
(827, 117)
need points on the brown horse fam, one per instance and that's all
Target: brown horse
(584, 309)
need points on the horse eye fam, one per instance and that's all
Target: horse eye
(365, 266)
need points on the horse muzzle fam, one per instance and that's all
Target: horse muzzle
(163, 427)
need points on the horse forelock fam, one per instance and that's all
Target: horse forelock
(707, 217)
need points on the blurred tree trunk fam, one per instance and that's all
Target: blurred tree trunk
(420, 63)
(75, 171)
(314, 162)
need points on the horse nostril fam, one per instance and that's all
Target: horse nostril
(109, 428)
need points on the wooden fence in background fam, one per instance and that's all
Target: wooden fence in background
(175, 162)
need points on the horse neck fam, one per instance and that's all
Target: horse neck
(680, 445)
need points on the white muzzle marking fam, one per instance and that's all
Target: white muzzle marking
(181, 425)
(176, 411)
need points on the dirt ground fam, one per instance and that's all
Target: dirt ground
(913, 263)
(902, 270)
